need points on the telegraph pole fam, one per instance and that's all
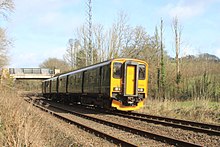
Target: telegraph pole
(89, 21)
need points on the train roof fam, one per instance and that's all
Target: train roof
(91, 67)
(50, 79)
(87, 68)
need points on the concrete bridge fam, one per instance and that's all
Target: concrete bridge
(30, 73)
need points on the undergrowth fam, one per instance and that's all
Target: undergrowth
(22, 125)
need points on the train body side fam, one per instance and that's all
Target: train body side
(117, 83)
(50, 88)
(75, 83)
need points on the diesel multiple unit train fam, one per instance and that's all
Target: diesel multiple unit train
(114, 84)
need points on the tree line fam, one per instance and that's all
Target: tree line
(169, 78)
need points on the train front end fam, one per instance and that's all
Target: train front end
(129, 84)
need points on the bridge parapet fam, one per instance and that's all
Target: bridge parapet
(32, 73)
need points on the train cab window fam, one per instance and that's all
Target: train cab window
(117, 70)
(142, 71)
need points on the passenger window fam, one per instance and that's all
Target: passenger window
(117, 70)
(103, 73)
(142, 71)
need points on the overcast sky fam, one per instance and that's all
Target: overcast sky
(41, 28)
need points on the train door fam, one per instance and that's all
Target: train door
(130, 78)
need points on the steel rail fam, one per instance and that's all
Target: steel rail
(150, 135)
(176, 123)
(166, 121)
(105, 136)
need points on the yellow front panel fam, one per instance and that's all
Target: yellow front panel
(119, 106)
(130, 80)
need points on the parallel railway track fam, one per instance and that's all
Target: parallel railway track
(209, 129)
(84, 127)
(113, 139)
(176, 123)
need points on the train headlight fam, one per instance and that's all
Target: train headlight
(117, 89)
(140, 89)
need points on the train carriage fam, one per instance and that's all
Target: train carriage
(118, 83)
(46, 86)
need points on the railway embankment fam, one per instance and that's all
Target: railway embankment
(22, 124)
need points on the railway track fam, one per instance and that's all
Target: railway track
(145, 134)
(176, 123)
(209, 129)
(84, 127)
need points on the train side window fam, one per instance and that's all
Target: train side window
(76, 80)
(117, 70)
(142, 71)
(103, 73)
(48, 84)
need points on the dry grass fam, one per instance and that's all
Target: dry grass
(196, 110)
(23, 125)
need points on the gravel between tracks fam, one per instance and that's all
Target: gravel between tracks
(130, 137)
(75, 135)
(81, 137)
(185, 135)
(189, 136)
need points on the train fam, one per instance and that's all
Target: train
(118, 84)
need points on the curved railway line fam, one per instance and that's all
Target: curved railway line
(177, 123)
(209, 129)
(84, 127)
(111, 138)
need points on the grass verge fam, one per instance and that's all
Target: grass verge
(197, 110)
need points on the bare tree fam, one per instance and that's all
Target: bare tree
(177, 32)
(4, 45)
(117, 36)
(136, 40)
(71, 53)
(54, 63)
(99, 44)
(6, 6)
(69, 56)
(82, 37)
